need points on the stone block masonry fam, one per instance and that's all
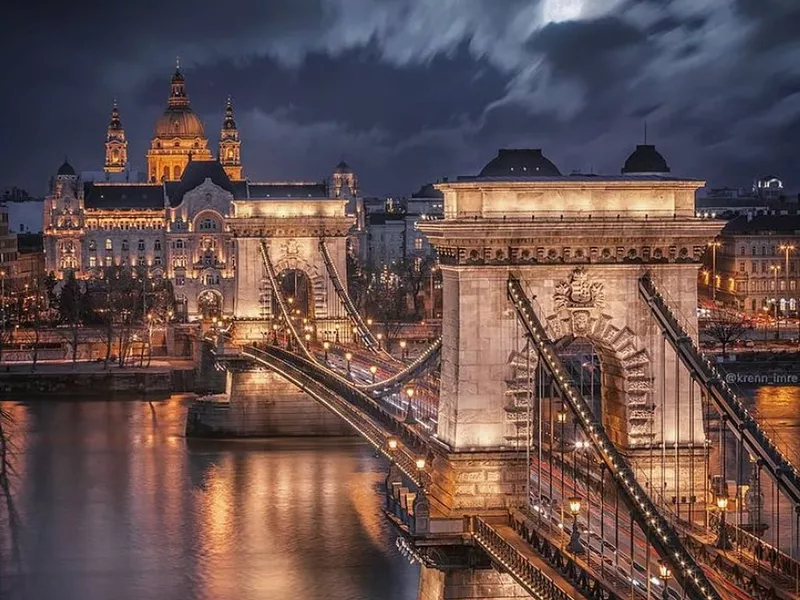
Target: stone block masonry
(260, 403)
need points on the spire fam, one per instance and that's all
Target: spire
(177, 94)
(116, 144)
(229, 144)
(228, 123)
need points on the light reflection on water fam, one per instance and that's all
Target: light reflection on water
(114, 503)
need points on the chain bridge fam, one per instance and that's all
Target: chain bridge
(564, 437)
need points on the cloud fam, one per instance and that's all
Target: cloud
(410, 89)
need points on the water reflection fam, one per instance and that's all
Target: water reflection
(115, 503)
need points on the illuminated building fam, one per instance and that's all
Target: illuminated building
(177, 223)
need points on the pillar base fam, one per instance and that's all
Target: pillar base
(468, 584)
(659, 469)
(470, 483)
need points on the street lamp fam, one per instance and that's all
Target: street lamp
(775, 270)
(379, 337)
(326, 345)
(308, 340)
(348, 356)
(786, 248)
(391, 444)
(575, 545)
(723, 542)
(420, 464)
(275, 334)
(373, 369)
(664, 573)
(714, 246)
(403, 348)
(410, 420)
(369, 322)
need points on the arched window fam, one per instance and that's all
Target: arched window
(176, 171)
(165, 174)
(179, 244)
(742, 251)
(157, 245)
(141, 245)
(109, 245)
(212, 279)
(763, 250)
(208, 224)
(92, 245)
(125, 246)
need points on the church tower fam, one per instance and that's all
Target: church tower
(116, 144)
(229, 144)
(179, 136)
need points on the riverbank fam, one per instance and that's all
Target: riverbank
(96, 379)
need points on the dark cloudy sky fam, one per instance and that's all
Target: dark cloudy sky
(411, 90)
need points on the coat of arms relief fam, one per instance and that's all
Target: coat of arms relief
(573, 301)
(579, 291)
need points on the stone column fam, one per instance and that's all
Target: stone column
(468, 584)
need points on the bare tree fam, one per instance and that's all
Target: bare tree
(726, 328)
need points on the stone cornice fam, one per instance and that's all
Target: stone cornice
(493, 242)
(260, 227)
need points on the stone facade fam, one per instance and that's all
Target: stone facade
(579, 246)
(468, 584)
(260, 403)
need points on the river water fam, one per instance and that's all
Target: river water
(112, 502)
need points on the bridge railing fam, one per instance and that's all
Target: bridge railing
(737, 417)
(535, 582)
(361, 328)
(346, 390)
(661, 534)
(399, 378)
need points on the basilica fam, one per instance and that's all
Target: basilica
(174, 220)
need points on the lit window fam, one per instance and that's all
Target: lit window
(208, 224)
(92, 261)
(109, 245)
(92, 245)
(417, 243)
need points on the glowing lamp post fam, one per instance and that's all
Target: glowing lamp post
(723, 542)
(308, 340)
(369, 322)
(348, 356)
(326, 345)
(410, 420)
(379, 337)
(420, 464)
(664, 573)
(275, 334)
(575, 545)
(776, 269)
(373, 369)
(391, 444)
(403, 348)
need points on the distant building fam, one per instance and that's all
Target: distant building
(8, 245)
(767, 194)
(385, 238)
(174, 222)
(424, 205)
(29, 268)
(758, 263)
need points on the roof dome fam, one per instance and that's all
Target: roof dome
(66, 169)
(645, 159)
(179, 121)
(520, 162)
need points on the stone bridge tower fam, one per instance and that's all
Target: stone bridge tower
(580, 245)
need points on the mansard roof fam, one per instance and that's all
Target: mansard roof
(266, 191)
(195, 174)
(131, 196)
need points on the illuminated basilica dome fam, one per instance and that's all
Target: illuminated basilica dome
(179, 136)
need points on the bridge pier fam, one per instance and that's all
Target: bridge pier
(468, 584)
(260, 403)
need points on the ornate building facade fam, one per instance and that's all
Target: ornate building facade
(178, 223)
